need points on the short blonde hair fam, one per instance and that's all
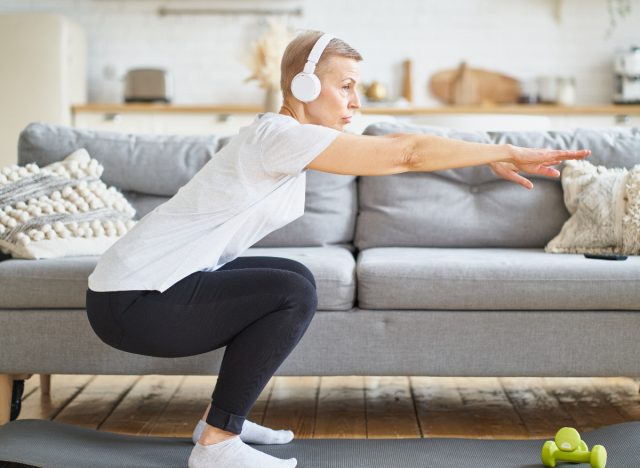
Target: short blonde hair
(297, 53)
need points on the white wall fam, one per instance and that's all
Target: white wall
(518, 37)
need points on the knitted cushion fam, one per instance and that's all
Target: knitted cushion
(61, 209)
(605, 208)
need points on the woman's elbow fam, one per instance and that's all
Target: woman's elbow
(408, 155)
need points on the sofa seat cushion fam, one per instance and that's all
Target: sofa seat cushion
(62, 282)
(494, 279)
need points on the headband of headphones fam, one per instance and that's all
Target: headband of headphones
(316, 53)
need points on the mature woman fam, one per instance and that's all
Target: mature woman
(175, 285)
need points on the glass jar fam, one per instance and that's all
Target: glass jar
(566, 91)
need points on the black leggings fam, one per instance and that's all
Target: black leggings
(258, 307)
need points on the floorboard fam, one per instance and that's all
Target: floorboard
(97, 400)
(390, 410)
(142, 407)
(341, 410)
(292, 405)
(67, 387)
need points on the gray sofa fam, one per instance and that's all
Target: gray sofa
(439, 274)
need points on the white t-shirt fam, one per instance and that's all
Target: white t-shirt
(253, 186)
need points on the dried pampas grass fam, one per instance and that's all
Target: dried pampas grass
(266, 54)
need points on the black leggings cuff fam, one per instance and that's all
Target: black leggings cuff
(226, 421)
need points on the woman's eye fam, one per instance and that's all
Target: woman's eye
(345, 87)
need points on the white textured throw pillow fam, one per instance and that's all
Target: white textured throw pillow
(605, 210)
(61, 209)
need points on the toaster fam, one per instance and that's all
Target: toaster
(148, 85)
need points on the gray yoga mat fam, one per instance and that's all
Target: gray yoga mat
(50, 444)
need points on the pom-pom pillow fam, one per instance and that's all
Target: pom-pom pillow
(605, 210)
(60, 209)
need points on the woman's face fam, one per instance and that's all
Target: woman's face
(338, 97)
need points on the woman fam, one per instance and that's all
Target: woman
(175, 285)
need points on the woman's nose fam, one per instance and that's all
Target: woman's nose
(355, 101)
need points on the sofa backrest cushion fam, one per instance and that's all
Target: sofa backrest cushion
(472, 207)
(149, 169)
(331, 208)
(151, 164)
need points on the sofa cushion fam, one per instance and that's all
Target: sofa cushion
(149, 169)
(143, 202)
(494, 279)
(61, 209)
(329, 214)
(62, 282)
(605, 210)
(152, 164)
(472, 207)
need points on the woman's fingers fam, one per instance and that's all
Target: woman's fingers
(518, 179)
(509, 171)
(539, 169)
(513, 176)
(561, 155)
(538, 156)
(548, 171)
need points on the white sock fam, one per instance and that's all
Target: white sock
(252, 433)
(233, 453)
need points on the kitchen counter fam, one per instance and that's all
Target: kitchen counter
(533, 109)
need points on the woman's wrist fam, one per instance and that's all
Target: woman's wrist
(508, 152)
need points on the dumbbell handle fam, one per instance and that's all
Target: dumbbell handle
(579, 456)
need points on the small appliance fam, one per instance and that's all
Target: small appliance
(627, 73)
(148, 85)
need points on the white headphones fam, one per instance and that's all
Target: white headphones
(305, 86)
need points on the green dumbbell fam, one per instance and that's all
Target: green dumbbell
(569, 447)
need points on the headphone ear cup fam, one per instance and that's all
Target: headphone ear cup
(305, 87)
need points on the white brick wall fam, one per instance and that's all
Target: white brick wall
(518, 37)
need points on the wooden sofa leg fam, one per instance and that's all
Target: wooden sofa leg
(6, 388)
(45, 384)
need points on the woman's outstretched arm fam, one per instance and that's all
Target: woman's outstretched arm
(407, 152)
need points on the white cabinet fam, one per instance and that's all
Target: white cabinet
(182, 123)
(228, 121)
(186, 123)
(484, 122)
(572, 121)
(520, 122)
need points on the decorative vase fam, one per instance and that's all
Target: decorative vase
(272, 100)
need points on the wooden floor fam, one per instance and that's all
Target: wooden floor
(351, 407)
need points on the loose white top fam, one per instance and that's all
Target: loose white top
(253, 186)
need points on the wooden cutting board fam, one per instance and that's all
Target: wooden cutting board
(467, 86)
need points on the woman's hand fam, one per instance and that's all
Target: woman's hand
(534, 161)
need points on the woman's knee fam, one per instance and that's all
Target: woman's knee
(276, 263)
(301, 293)
(302, 269)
